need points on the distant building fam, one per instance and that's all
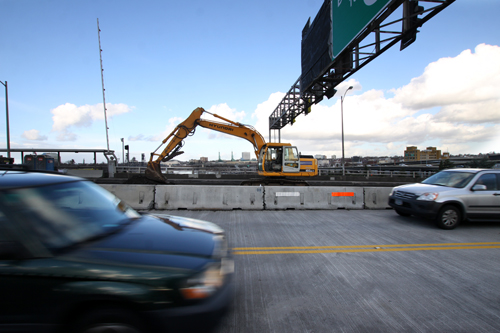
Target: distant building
(386, 161)
(412, 154)
(245, 156)
(323, 163)
(320, 157)
(203, 159)
(170, 163)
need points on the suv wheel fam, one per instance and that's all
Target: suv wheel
(448, 217)
(109, 320)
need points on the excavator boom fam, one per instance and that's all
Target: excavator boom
(187, 127)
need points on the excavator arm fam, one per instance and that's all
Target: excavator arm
(187, 127)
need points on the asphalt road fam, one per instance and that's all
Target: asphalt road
(359, 271)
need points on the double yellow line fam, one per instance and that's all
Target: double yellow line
(364, 248)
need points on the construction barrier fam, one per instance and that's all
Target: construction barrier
(141, 197)
(307, 197)
(209, 197)
(196, 197)
(377, 197)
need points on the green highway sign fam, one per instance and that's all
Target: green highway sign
(349, 17)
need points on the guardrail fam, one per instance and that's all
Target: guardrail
(242, 171)
(188, 170)
(377, 173)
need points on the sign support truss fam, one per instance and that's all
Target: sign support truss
(383, 32)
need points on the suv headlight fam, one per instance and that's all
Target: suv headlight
(428, 196)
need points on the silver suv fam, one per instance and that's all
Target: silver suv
(451, 196)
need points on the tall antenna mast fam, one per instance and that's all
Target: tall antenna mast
(102, 80)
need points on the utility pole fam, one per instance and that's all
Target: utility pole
(123, 154)
(342, 121)
(7, 116)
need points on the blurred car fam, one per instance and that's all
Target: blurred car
(75, 258)
(451, 196)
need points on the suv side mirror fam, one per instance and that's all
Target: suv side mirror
(479, 187)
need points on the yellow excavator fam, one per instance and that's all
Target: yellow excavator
(274, 159)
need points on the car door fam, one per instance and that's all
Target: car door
(12, 280)
(483, 203)
(25, 288)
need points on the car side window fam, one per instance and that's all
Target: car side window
(8, 249)
(489, 180)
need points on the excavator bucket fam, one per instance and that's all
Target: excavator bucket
(153, 172)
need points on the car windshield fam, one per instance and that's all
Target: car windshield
(450, 179)
(66, 214)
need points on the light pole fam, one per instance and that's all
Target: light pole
(342, 121)
(7, 116)
(123, 152)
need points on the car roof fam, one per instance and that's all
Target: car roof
(471, 170)
(19, 179)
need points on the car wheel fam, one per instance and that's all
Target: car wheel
(109, 320)
(449, 217)
(400, 213)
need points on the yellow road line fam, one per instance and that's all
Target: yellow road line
(365, 248)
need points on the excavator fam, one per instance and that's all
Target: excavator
(274, 159)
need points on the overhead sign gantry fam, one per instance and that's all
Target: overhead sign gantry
(343, 38)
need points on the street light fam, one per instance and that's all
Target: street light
(123, 152)
(342, 120)
(7, 116)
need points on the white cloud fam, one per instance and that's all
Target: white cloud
(139, 137)
(172, 124)
(33, 135)
(465, 79)
(264, 110)
(69, 115)
(483, 112)
(65, 135)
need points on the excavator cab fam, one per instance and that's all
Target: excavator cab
(276, 160)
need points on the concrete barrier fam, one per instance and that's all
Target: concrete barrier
(377, 197)
(307, 197)
(196, 197)
(136, 196)
(90, 174)
(209, 197)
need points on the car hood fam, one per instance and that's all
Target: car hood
(423, 188)
(160, 240)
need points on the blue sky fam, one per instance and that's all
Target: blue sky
(162, 59)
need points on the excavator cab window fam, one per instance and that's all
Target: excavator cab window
(291, 160)
(261, 160)
(273, 159)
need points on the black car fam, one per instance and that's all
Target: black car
(74, 258)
